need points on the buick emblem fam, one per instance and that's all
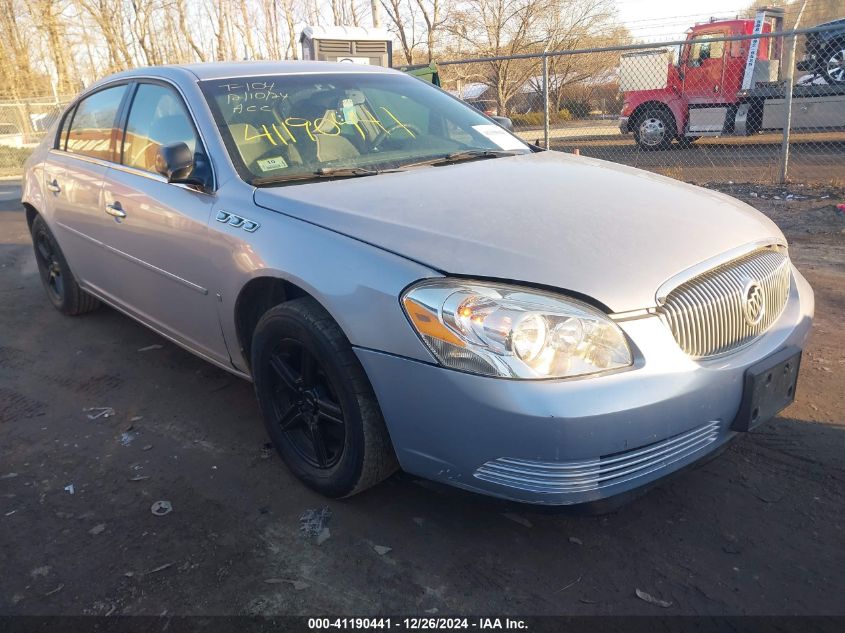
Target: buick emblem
(753, 303)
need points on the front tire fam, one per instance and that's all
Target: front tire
(318, 406)
(58, 280)
(654, 129)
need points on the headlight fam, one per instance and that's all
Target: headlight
(513, 332)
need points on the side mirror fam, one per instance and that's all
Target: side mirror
(504, 122)
(176, 163)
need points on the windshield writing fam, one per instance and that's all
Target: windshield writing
(291, 125)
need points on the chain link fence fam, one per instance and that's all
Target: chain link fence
(714, 108)
(22, 125)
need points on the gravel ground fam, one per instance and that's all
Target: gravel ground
(813, 158)
(758, 530)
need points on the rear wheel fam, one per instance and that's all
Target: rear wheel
(56, 276)
(318, 406)
(654, 129)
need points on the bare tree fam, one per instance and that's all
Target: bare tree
(187, 34)
(431, 12)
(290, 21)
(108, 18)
(77, 41)
(500, 28)
(352, 12)
(402, 21)
(48, 14)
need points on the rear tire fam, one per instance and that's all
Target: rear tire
(833, 64)
(58, 280)
(318, 406)
(654, 129)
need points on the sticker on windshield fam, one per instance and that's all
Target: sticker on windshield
(272, 164)
(348, 109)
(500, 137)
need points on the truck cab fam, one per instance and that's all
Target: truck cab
(698, 94)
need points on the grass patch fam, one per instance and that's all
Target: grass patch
(535, 119)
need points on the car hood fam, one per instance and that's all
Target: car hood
(582, 225)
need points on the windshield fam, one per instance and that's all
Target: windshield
(284, 127)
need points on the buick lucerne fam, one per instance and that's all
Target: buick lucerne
(410, 285)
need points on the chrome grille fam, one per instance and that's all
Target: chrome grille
(708, 314)
(594, 474)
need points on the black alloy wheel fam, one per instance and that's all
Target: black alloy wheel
(319, 408)
(49, 267)
(305, 405)
(56, 276)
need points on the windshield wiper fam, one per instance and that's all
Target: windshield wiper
(464, 155)
(323, 172)
(356, 172)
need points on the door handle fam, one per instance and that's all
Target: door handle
(115, 210)
(54, 186)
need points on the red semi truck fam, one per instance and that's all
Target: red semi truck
(720, 87)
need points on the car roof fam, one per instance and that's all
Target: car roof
(232, 70)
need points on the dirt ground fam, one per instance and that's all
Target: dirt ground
(759, 530)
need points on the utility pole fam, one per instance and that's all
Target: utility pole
(789, 55)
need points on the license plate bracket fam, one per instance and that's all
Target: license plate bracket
(769, 387)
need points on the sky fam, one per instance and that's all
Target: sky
(655, 20)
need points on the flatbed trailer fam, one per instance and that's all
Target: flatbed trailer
(721, 87)
(814, 107)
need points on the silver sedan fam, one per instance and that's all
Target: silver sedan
(410, 285)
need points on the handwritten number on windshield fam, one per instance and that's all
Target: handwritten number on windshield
(321, 126)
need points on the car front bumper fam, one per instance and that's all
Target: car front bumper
(562, 442)
(623, 125)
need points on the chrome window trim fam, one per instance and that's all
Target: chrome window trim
(129, 170)
(676, 280)
(386, 71)
(140, 79)
(74, 105)
(65, 117)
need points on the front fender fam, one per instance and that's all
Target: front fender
(357, 283)
(676, 104)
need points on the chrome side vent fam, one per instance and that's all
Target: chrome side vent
(727, 307)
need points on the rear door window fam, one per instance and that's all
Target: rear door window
(61, 141)
(93, 128)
